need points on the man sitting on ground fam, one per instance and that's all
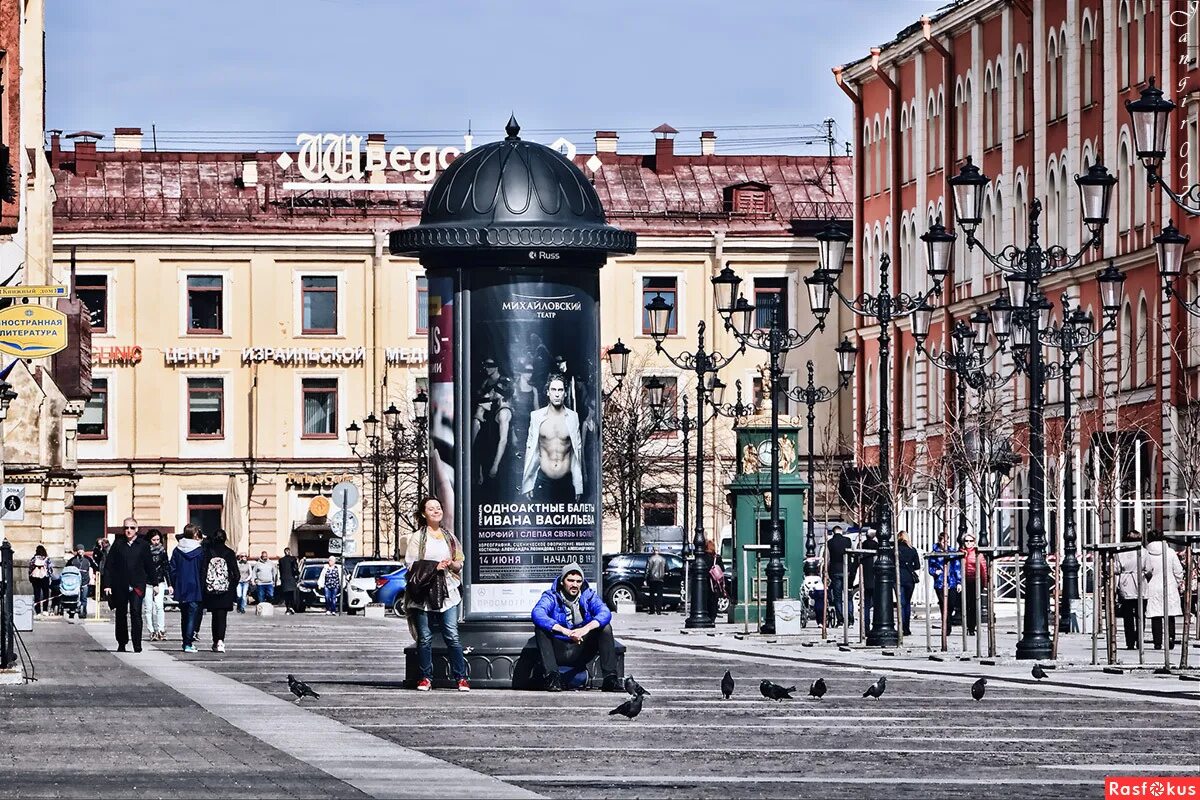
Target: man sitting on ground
(572, 626)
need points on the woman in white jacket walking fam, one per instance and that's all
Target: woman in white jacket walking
(1164, 580)
(1132, 609)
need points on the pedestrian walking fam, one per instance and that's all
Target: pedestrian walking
(289, 581)
(974, 575)
(154, 607)
(263, 576)
(836, 565)
(869, 542)
(1131, 609)
(243, 587)
(435, 561)
(127, 571)
(185, 568)
(41, 572)
(331, 581)
(910, 570)
(85, 565)
(656, 573)
(716, 577)
(1164, 583)
(220, 592)
(947, 578)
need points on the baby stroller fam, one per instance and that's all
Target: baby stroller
(69, 587)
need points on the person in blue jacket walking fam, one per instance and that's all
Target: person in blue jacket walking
(946, 582)
(572, 625)
(184, 570)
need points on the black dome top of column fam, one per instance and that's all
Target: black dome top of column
(512, 194)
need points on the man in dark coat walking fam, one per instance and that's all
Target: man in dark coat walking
(128, 567)
(289, 576)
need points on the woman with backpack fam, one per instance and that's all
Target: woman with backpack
(220, 574)
(716, 578)
(40, 573)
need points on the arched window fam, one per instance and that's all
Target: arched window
(968, 105)
(1088, 365)
(905, 255)
(1020, 212)
(865, 166)
(1087, 41)
(1019, 93)
(1142, 332)
(1052, 64)
(996, 221)
(989, 231)
(905, 138)
(869, 396)
(885, 159)
(885, 248)
(1065, 198)
(916, 256)
(960, 123)
(1062, 71)
(909, 413)
(1050, 232)
(1125, 180)
(879, 155)
(868, 266)
(989, 112)
(940, 115)
(997, 117)
(880, 252)
(1140, 25)
(1128, 347)
(1123, 44)
(911, 379)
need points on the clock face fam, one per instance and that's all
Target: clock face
(764, 453)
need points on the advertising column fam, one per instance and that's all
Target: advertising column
(534, 483)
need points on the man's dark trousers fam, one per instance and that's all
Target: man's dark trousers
(655, 589)
(131, 607)
(836, 584)
(557, 653)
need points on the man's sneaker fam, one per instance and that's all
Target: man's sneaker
(612, 684)
(219, 647)
(553, 682)
(424, 685)
(189, 649)
(464, 685)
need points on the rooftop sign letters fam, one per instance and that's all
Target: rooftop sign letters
(120, 356)
(304, 356)
(30, 331)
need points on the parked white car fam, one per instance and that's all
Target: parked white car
(361, 589)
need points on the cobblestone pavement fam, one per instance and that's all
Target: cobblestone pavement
(925, 738)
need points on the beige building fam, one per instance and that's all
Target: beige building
(246, 310)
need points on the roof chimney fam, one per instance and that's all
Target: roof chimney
(55, 149)
(127, 140)
(708, 143)
(85, 152)
(664, 148)
(606, 141)
(249, 171)
(376, 158)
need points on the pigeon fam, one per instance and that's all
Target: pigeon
(818, 688)
(876, 689)
(1038, 672)
(633, 687)
(301, 689)
(978, 687)
(630, 708)
(727, 685)
(773, 691)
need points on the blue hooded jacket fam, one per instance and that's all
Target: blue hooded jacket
(185, 566)
(953, 569)
(550, 609)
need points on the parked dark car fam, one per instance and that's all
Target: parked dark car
(625, 580)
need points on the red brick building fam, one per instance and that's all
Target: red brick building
(1034, 92)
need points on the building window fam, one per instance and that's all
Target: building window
(768, 292)
(422, 310)
(665, 288)
(205, 510)
(205, 298)
(90, 520)
(1019, 94)
(664, 420)
(206, 408)
(319, 408)
(318, 304)
(92, 290)
(93, 424)
(658, 509)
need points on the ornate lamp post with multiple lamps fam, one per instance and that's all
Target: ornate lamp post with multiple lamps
(885, 307)
(1028, 312)
(810, 394)
(703, 364)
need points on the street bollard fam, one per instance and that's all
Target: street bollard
(1140, 626)
(928, 625)
(1187, 607)
(845, 599)
(978, 606)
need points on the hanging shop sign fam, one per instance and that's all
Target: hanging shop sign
(118, 356)
(33, 291)
(30, 331)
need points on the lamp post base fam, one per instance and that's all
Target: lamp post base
(701, 622)
(767, 628)
(884, 638)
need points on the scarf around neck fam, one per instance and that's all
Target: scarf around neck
(573, 607)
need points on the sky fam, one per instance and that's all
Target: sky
(250, 75)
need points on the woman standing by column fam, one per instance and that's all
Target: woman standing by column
(435, 562)
(40, 573)
(1164, 579)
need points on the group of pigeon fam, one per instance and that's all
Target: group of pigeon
(770, 690)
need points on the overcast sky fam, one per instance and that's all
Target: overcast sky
(252, 73)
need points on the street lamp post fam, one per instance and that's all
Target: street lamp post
(810, 394)
(703, 363)
(967, 361)
(421, 423)
(1029, 313)
(885, 307)
(776, 340)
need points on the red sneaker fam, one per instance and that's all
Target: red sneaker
(425, 685)
(464, 685)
